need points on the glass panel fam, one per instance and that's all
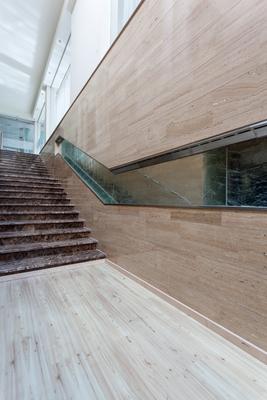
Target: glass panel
(247, 174)
(18, 135)
(229, 176)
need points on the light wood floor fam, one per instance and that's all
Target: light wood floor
(88, 332)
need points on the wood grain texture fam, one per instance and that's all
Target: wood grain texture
(180, 72)
(213, 261)
(88, 332)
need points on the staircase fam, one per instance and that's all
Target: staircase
(39, 227)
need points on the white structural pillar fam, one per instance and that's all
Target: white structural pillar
(90, 39)
(50, 111)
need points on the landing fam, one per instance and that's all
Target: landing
(88, 332)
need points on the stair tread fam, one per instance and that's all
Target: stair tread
(9, 267)
(27, 197)
(13, 164)
(15, 183)
(23, 172)
(26, 178)
(40, 222)
(19, 175)
(9, 213)
(29, 184)
(62, 202)
(27, 191)
(36, 205)
(4, 249)
(12, 234)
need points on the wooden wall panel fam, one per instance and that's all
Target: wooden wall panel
(211, 260)
(180, 72)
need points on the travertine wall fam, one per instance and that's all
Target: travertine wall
(180, 72)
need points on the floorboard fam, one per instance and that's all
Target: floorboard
(89, 332)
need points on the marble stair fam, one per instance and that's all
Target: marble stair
(39, 226)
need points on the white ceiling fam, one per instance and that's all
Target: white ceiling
(27, 28)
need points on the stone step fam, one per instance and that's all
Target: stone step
(33, 167)
(37, 225)
(22, 172)
(8, 238)
(31, 185)
(27, 194)
(26, 181)
(39, 215)
(11, 176)
(19, 155)
(36, 263)
(17, 159)
(39, 249)
(13, 164)
(32, 188)
(35, 207)
(34, 200)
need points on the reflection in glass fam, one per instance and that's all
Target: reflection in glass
(235, 175)
(18, 135)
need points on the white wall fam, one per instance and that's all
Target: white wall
(121, 11)
(90, 39)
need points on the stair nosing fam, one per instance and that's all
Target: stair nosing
(39, 192)
(66, 260)
(43, 178)
(7, 249)
(41, 222)
(7, 213)
(34, 205)
(15, 234)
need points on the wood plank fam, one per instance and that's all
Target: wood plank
(88, 331)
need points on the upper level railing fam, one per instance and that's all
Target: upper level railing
(228, 176)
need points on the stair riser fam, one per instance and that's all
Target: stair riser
(30, 189)
(18, 158)
(34, 188)
(34, 207)
(37, 195)
(14, 160)
(38, 227)
(23, 172)
(48, 251)
(41, 217)
(38, 263)
(23, 168)
(45, 238)
(28, 178)
(15, 154)
(33, 201)
(13, 164)
(29, 183)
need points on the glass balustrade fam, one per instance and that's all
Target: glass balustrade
(234, 175)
